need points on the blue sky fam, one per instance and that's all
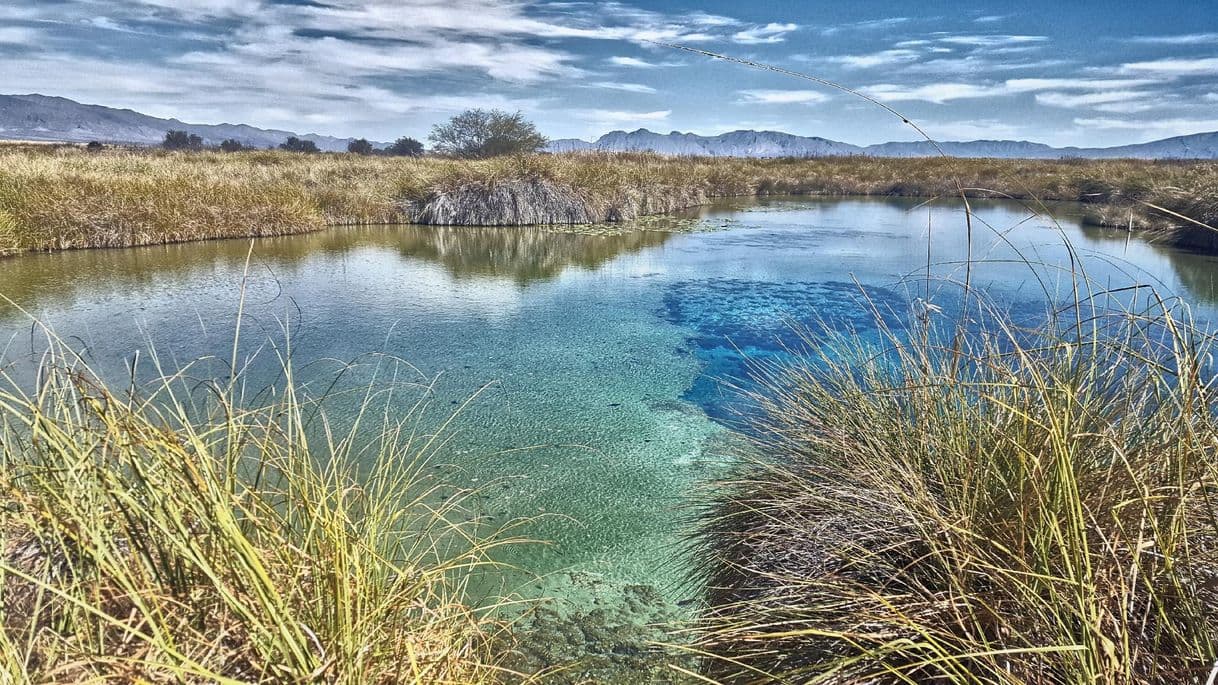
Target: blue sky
(1065, 73)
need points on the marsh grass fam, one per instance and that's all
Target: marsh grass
(990, 505)
(61, 197)
(183, 532)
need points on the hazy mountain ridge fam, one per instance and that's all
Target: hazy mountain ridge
(48, 118)
(778, 144)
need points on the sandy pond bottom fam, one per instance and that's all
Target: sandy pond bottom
(603, 351)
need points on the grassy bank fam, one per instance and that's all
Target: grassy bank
(1005, 507)
(63, 197)
(181, 536)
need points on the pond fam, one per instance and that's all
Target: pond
(596, 355)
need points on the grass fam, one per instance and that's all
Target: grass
(185, 533)
(1001, 506)
(980, 506)
(62, 197)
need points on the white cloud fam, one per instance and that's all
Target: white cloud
(1179, 39)
(940, 93)
(937, 93)
(18, 35)
(770, 33)
(782, 97)
(636, 63)
(610, 118)
(1082, 100)
(1210, 97)
(991, 41)
(877, 59)
(1172, 67)
(1152, 128)
(625, 87)
(874, 24)
(1028, 85)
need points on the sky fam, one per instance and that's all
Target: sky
(1082, 73)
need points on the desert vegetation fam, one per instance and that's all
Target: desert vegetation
(59, 197)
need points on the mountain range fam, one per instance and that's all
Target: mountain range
(48, 118)
(777, 144)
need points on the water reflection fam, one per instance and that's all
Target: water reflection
(521, 254)
(1195, 271)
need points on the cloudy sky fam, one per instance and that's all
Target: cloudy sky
(1066, 73)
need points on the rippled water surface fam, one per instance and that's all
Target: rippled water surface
(602, 348)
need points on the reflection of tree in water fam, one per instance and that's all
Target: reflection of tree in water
(1198, 272)
(523, 253)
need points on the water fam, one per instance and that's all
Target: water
(602, 349)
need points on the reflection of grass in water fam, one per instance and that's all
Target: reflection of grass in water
(524, 253)
(166, 537)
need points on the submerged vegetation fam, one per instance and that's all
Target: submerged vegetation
(61, 197)
(183, 534)
(1005, 507)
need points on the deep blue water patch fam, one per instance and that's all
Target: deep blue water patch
(740, 325)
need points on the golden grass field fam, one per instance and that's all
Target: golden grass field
(62, 197)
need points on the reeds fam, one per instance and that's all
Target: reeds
(58, 197)
(977, 505)
(183, 533)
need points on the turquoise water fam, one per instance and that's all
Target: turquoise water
(603, 349)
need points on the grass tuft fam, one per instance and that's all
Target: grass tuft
(1009, 507)
(182, 536)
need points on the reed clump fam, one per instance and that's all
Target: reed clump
(1007, 507)
(61, 197)
(165, 537)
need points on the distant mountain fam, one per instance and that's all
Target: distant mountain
(42, 117)
(46, 118)
(777, 144)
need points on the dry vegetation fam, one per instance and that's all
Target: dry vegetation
(1009, 507)
(179, 535)
(62, 197)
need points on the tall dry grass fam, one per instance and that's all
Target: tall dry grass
(185, 533)
(61, 197)
(989, 505)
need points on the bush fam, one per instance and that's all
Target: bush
(95, 146)
(360, 146)
(1006, 508)
(231, 145)
(181, 140)
(294, 144)
(405, 147)
(480, 133)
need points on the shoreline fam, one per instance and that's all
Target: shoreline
(61, 199)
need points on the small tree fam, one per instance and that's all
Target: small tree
(181, 140)
(480, 133)
(232, 145)
(94, 146)
(294, 144)
(360, 146)
(405, 147)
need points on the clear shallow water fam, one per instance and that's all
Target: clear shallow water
(603, 349)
